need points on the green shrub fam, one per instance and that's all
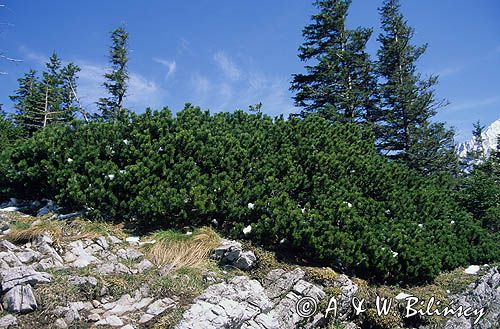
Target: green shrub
(301, 184)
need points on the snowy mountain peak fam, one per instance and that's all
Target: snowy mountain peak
(490, 140)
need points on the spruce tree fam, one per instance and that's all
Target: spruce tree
(339, 86)
(408, 102)
(47, 100)
(29, 102)
(116, 83)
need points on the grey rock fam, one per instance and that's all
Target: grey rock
(128, 326)
(146, 318)
(20, 299)
(8, 321)
(230, 253)
(245, 261)
(70, 313)
(144, 265)
(60, 323)
(348, 290)
(129, 253)
(22, 275)
(82, 280)
(111, 320)
(227, 305)
(93, 317)
(28, 256)
(484, 293)
(108, 268)
(7, 246)
(48, 208)
(101, 241)
(10, 258)
(114, 240)
(160, 306)
(279, 282)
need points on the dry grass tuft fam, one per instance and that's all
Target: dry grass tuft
(26, 229)
(86, 229)
(179, 250)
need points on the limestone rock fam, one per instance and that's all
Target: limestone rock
(231, 253)
(22, 275)
(20, 299)
(8, 321)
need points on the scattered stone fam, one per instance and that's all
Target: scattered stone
(69, 313)
(7, 246)
(102, 242)
(94, 317)
(49, 207)
(82, 280)
(20, 299)
(114, 240)
(60, 323)
(22, 275)
(111, 320)
(146, 318)
(144, 265)
(129, 253)
(8, 321)
(160, 306)
(28, 256)
(128, 326)
(209, 277)
(230, 253)
(245, 261)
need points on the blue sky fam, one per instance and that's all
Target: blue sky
(226, 54)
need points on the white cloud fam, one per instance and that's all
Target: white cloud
(141, 91)
(449, 71)
(474, 104)
(201, 84)
(171, 66)
(227, 66)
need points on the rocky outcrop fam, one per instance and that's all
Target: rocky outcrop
(20, 299)
(230, 253)
(484, 293)
(245, 303)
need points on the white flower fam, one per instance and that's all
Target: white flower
(348, 204)
(125, 141)
(283, 240)
(122, 171)
(160, 149)
(70, 160)
(247, 229)
(303, 210)
(421, 225)
(250, 205)
(394, 254)
(452, 222)
(111, 176)
(189, 233)
(353, 171)
(387, 211)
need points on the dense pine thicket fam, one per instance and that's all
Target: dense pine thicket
(301, 184)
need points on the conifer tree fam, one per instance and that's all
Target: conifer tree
(45, 101)
(340, 85)
(408, 101)
(29, 101)
(116, 83)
